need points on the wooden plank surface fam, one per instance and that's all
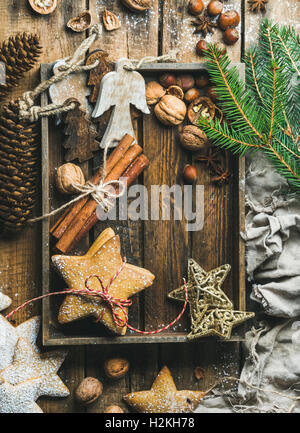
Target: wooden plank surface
(19, 261)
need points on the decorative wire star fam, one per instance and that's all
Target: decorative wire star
(204, 25)
(257, 5)
(211, 311)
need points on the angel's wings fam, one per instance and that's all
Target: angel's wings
(138, 97)
(107, 91)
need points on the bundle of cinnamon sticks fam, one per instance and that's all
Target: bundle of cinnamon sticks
(126, 161)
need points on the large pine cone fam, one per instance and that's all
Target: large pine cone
(19, 53)
(19, 142)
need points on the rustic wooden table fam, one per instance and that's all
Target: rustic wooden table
(165, 26)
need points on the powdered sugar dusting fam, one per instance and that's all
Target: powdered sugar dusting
(20, 398)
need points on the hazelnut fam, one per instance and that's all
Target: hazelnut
(89, 390)
(186, 82)
(193, 138)
(191, 95)
(137, 5)
(116, 368)
(229, 19)
(195, 7)
(113, 409)
(201, 47)
(212, 93)
(201, 108)
(170, 110)
(199, 373)
(66, 176)
(231, 36)
(175, 91)
(167, 80)
(202, 79)
(154, 91)
(190, 174)
(215, 7)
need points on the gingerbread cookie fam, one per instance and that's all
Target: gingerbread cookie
(103, 259)
(163, 397)
(10, 334)
(5, 301)
(20, 398)
(28, 364)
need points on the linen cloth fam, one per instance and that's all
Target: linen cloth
(272, 348)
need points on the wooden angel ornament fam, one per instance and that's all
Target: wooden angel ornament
(119, 89)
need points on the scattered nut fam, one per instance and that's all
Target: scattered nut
(195, 7)
(212, 93)
(191, 95)
(167, 80)
(175, 91)
(154, 92)
(193, 138)
(201, 47)
(116, 368)
(231, 36)
(88, 391)
(202, 79)
(215, 7)
(66, 176)
(110, 20)
(80, 23)
(113, 409)
(186, 82)
(170, 110)
(199, 373)
(137, 5)
(229, 19)
(190, 174)
(201, 107)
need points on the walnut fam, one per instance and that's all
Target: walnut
(80, 23)
(110, 20)
(116, 368)
(193, 138)
(154, 92)
(201, 107)
(137, 5)
(89, 390)
(170, 110)
(66, 176)
(113, 409)
(175, 91)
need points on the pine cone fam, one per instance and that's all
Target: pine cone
(19, 141)
(19, 54)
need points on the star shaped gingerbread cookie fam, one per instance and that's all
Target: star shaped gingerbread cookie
(28, 364)
(10, 334)
(20, 398)
(5, 301)
(103, 259)
(164, 397)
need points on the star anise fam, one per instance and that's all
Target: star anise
(204, 24)
(257, 5)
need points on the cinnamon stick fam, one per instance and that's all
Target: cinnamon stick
(86, 211)
(65, 220)
(130, 174)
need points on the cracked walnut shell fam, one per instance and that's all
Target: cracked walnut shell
(110, 20)
(137, 5)
(80, 23)
(170, 110)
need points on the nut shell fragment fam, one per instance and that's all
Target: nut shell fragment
(80, 23)
(201, 107)
(137, 5)
(175, 91)
(43, 7)
(110, 20)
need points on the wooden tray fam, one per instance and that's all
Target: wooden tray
(163, 247)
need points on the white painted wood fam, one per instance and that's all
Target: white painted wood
(119, 89)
